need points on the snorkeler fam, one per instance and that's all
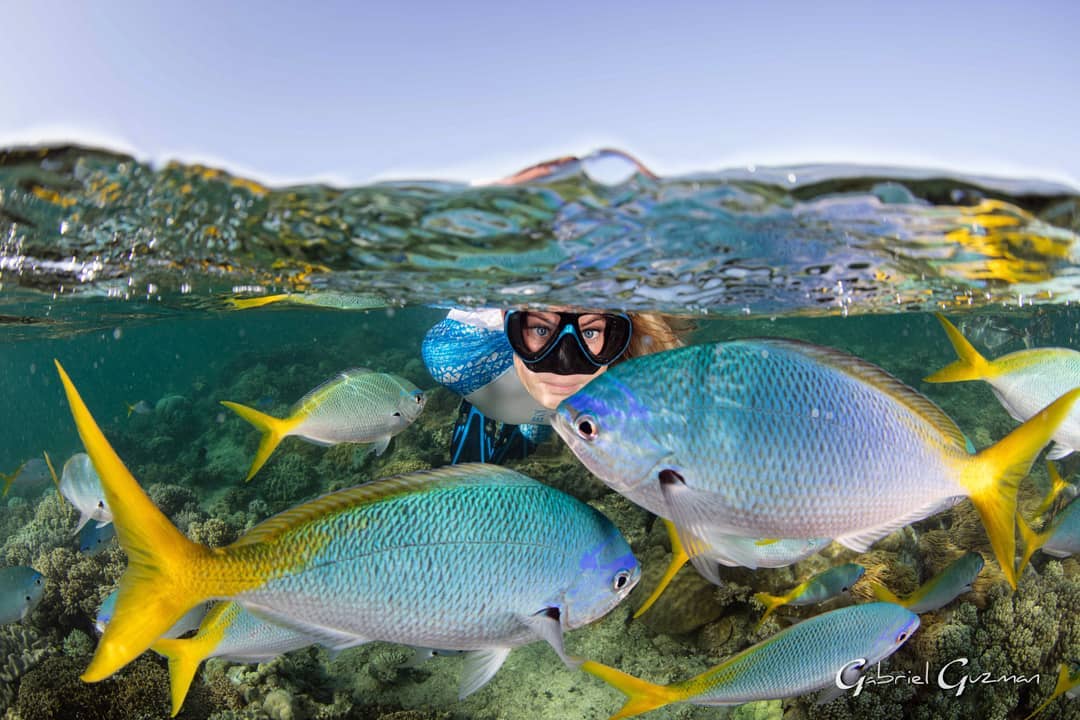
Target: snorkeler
(513, 368)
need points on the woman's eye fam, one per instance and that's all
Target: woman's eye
(590, 334)
(540, 331)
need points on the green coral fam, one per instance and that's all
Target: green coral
(53, 691)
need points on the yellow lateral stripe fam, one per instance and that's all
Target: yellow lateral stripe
(365, 494)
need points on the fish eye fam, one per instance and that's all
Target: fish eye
(397, 414)
(419, 399)
(621, 579)
(901, 637)
(844, 589)
(27, 598)
(586, 428)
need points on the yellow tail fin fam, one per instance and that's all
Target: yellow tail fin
(9, 479)
(993, 478)
(970, 366)
(164, 567)
(884, 594)
(1032, 541)
(642, 696)
(273, 429)
(184, 658)
(771, 602)
(248, 303)
(55, 479)
(1057, 486)
(678, 559)
(1064, 681)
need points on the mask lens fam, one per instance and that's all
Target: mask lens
(540, 340)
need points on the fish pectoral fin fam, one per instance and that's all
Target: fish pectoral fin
(102, 523)
(1058, 451)
(83, 519)
(381, 444)
(480, 667)
(683, 508)
(547, 625)
(862, 540)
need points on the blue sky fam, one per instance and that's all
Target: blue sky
(353, 92)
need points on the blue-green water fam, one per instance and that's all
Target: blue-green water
(125, 272)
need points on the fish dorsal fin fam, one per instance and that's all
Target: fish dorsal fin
(373, 492)
(878, 378)
(314, 394)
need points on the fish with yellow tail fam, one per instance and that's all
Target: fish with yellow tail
(1068, 684)
(323, 299)
(483, 559)
(1060, 538)
(228, 631)
(1024, 382)
(1059, 488)
(357, 406)
(940, 590)
(817, 589)
(735, 551)
(827, 651)
(782, 439)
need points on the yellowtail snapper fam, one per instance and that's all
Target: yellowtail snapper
(811, 655)
(783, 439)
(472, 557)
(940, 590)
(819, 588)
(1024, 382)
(357, 406)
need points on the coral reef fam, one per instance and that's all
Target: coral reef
(21, 649)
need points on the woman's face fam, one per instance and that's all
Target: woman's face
(549, 389)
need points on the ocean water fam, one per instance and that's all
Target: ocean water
(128, 274)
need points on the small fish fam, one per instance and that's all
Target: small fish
(1024, 382)
(357, 406)
(940, 590)
(1061, 538)
(227, 631)
(992, 333)
(733, 551)
(30, 477)
(808, 656)
(782, 439)
(93, 539)
(1067, 683)
(819, 588)
(1059, 488)
(20, 592)
(482, 559)
(324, 299)
(140, 408)
(190, 621)
(80, 485)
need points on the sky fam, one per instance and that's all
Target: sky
(354, 92)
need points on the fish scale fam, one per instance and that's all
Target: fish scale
(420, 542)
(361, 406)
(774, 438)
(809, 430)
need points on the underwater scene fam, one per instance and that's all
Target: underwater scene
(276, 452)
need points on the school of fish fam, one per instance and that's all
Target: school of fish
(762, 453)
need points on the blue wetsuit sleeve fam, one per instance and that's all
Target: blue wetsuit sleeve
(464, 357)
